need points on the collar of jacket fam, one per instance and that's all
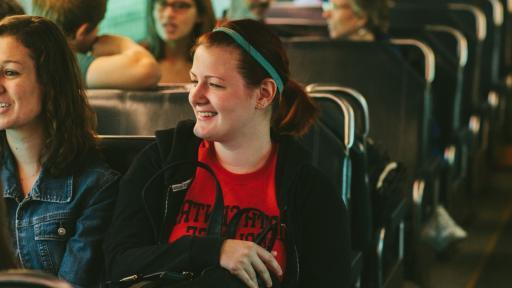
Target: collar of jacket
(48, 189)
(291, 155)
(183, 146)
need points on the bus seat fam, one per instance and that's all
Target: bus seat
(119, 151)
(138, 112)
(394, 92)
(329, 141)
(20, 278)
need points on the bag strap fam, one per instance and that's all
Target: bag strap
(179, 144)
(270, 228)
(217, 215)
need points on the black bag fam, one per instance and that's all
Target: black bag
(215, 276)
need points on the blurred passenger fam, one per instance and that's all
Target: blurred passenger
(248, 9)
(358, 20)
(247, 112)
(105, 61)
(58, 192)
(178, 24)
(10, 7)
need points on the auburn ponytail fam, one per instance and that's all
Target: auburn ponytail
(294, 111)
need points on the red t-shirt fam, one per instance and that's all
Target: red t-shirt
(255, 190)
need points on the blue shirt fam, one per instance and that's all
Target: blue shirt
(59, 227)
(84, 61)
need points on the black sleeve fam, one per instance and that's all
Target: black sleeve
(323, 240)
(131, 247)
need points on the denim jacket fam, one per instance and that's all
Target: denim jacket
(59, 227)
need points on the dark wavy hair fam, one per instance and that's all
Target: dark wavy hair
(205, 12)
(69, 121)
(293, 112)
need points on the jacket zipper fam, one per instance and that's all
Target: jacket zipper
(166, 208)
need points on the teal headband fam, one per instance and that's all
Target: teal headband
(255, 54)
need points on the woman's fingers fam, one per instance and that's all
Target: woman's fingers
(246, 259)
(249, 270)
(262, 270)
(246, 279)
(270, 261)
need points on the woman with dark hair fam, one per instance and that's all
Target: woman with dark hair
(178, 23)
(59, 194)
(248, 112)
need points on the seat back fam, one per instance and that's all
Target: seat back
(291, 20)
(139, 112)
(467, 19)
(30, 279)
(394, 92)
(356, 101)
(329, 141)
(507, 39)
(494, 12)
(449, 48)
(119, 151)
(290, 10)
(360, 198)
(288, 28)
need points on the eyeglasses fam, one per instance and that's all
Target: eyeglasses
(177, 6)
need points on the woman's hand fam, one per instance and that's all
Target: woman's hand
(244, 259)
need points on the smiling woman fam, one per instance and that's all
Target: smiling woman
(58, 192)
(22, 109)
(248, 112)
(221, 115)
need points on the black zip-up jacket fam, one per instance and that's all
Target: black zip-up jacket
(317, 236)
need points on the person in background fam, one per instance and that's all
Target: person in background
(248, 9)
(105, 61)
(248, 113)
(10, 7)
(58, 191)
(178, 23)
(358, 20)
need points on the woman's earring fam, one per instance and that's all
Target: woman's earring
(259, 106)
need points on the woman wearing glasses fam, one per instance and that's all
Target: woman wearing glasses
(178, 23)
